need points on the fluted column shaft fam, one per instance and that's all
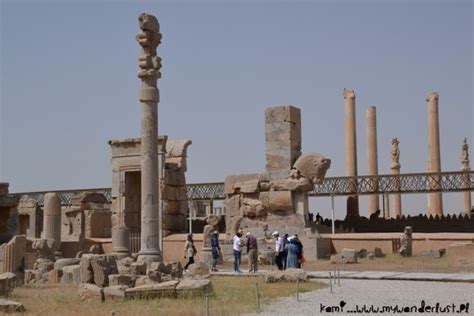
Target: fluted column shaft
(372, 158)
(435, 200)
(351, 148)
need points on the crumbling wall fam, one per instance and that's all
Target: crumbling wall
(173, 188)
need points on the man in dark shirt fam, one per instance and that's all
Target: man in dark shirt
(252, 251)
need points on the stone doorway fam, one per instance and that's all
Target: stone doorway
(23, 224)
(132, 201)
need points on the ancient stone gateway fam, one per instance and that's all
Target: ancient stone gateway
(278, 198)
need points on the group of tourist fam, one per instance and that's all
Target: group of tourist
(288, 251)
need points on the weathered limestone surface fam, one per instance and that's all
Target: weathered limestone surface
(406, 243)
(435, 200)
(190, 287)
(372, 157)
(288, 275)
(52, 218)
(7, 306)
(149, 38)
(466, 167)
(8, 281)
(30, 217)
(351, 147)
(12, 254)
(165, 289)
(395, 166)
(282, 139)
(71, 275)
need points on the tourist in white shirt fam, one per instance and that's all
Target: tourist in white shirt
(279, 247)
(237, 250)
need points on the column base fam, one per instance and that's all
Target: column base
(149, 255)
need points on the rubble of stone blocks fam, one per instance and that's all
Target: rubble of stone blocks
(288, 275)
(100, 276)
(89, 216)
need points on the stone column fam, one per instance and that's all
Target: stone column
(466, 179)
(149, 38)
(52, 221)
(435, 200)
(397, 199)
(351, 148)
(372, 158)
(386, 206)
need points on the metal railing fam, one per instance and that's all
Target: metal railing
(453, 181)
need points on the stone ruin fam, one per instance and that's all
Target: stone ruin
(278, 198)
(126, 177)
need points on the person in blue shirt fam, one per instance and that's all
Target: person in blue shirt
(216, 249)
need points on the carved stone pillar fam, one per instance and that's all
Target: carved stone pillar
(52, 220)
(466, 179)
(351, 148)
(396, 197)
(372, 158)
(149, 38)
(435, 200)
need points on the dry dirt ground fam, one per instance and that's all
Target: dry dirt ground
(232, 296)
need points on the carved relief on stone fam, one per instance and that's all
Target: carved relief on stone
(395, 154)
(313, 166)
(432, 95)
(465, 153)
(348, 94)
(149, 39)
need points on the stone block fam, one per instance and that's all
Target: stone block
(280, 201)
(194, 288)
(165, 289)
(288, 275)
(124, 265)
(275, 114)
(71, 275)
(250, 186)
(120, 279)
(378, 252)
(174, 178)
(54, 276)
(138, 268)
(350, 255)
(232, 205)
(176, 164)
(301, 184)
(102, 266)
(177, 148)
(90, 292)
(98, 224)
(7, 306)
(87, 275)
(8, 281)
(115, 291)
(61, 263)
(153, 272)
(232, 183)
(197, 270)
(143, 280)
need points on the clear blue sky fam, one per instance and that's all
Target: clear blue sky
(68, 83)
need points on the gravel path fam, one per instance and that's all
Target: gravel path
(378, 293)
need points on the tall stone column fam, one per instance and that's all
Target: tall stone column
(372, 158)
(149, 38)
(351, 148)
(435, 200)
(466, 179)
(397, 199)
(52, 220)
